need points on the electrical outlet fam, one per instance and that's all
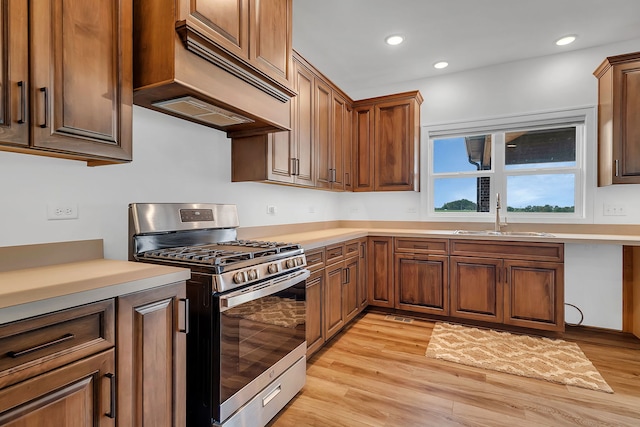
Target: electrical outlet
(412, 210)
(62, 211)
(614, 210)
(272, 210)
(312, 209)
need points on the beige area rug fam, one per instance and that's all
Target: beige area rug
(547, 359)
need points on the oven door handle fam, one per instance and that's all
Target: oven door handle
(234, 299)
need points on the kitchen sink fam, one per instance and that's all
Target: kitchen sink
(502, 233)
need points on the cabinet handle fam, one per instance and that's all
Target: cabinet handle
(112, 404)
(617, 167)
(506, 275)
(333, 175)
(499, 273)
(23, 103)
(292, 165)
(297, 167)
(46, 106)
(16, 354)
(186, 316)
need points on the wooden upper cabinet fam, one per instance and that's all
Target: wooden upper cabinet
(322, 135)
(77, 102)
(270, 46)
(281, 157)
(257, 32)
(224, 22)
(386, 143)
(619, 120)
(303, 130)
(14, 74)
(362, 151)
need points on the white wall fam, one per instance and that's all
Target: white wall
(593, 283)
(174, 161)
(178, 161)
(558, 82)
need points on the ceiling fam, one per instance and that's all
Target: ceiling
(344, 39)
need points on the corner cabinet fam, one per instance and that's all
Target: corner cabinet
(67, 92)
(386, 143)
(619, 120)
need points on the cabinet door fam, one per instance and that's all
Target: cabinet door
(79, 394)
(151, 357)
(303, 114)
(363, 148)
(324, 165)
(350, 306)
(338, 141)
(14, 73)
(334, 320)
(347, 160)
(477, 288)
(280, 156)
(81, 92)
(422, 283)
(270, 44)
(223, 22)
(315, 312)
(626, 123)
(395, 145)
(380, 272)
(363, 297)
(533, 296)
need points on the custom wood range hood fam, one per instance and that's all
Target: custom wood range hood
(224, 67)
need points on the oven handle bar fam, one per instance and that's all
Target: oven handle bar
(234, 299)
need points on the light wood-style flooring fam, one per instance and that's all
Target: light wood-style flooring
(375, 373)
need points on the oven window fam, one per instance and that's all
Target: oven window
(257, 334)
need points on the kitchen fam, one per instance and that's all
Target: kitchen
(167, 150)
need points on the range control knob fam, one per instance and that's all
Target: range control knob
(238, 277)
(299, 261)
(252, 274)
(273, 268)
(291, 262)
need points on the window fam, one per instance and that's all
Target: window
(536, 167)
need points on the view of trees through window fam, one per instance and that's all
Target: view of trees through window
(534, 170)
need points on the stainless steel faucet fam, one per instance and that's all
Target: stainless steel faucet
(498, 224)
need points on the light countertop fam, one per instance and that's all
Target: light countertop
(318, 238)
(31, 291)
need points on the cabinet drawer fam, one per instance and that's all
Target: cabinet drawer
(352, 248)
(39, 344)
(335, 253)
(427, 246)
(315, 259)
(533, 251)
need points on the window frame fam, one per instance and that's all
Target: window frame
(582, 118)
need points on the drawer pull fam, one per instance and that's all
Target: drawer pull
(112, 404)
(16, 354)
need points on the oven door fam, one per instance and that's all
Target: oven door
(261, 334)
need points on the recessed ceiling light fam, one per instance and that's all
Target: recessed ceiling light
(394, 40)
(566, 40)
(441, 64)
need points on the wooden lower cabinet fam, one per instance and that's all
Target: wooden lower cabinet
(151, 348)
(534, 295)
(477, 289)
(334, 314)
(350, 303)
(380, 271)
(521, 293)
(422, 283)
(363, 295)
(78, 394)
(315, 312)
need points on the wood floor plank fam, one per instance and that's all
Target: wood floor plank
(375, 374)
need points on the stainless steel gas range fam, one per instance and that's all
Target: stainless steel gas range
(246, 344)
